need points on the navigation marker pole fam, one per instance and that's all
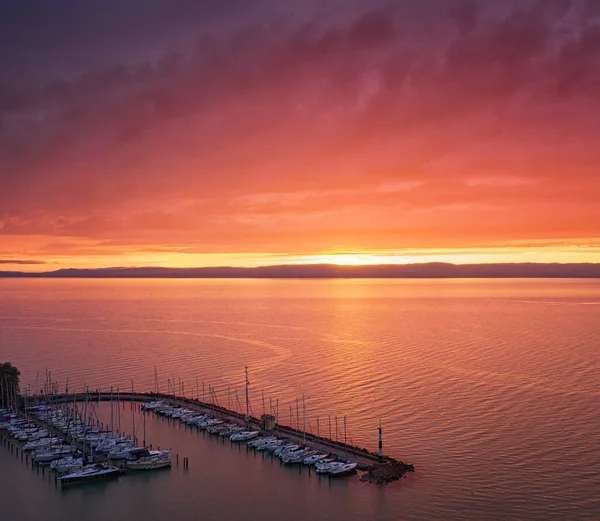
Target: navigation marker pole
(380, 442)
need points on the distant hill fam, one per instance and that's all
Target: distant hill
(413, 271)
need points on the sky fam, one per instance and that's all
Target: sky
(255, 132)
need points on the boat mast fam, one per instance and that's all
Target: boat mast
(345, 444)
(304, 419)
(132, 415)
(247, 401)
(85, 424)
(297, 420)
(118, 413)
(74, 418)
(112, 423)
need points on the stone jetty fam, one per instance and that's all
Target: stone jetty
(386, 472)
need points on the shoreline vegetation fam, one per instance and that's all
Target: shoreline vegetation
(333, 271)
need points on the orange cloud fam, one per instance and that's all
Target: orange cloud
(348, 133)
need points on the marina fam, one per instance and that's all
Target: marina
(65, 432)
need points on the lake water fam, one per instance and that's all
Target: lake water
(489, 387)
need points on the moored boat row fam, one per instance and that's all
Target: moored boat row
(74, 449)
(286, 450)
(56, 438)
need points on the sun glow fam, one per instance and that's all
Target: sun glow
(99, 256)
(565, 254)
(350, 259)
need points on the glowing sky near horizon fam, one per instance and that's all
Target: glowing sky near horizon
(264, 132)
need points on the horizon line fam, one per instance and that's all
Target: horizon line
(413, 270)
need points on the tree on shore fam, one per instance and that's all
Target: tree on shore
(9, 384)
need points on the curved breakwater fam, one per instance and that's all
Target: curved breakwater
(366, 460)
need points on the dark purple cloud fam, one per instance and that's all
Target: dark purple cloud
(20, 261)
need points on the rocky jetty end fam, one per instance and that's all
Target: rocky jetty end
(386, 472)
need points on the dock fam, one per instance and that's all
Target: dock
(376, 464)
(365, 458)
(376, 467)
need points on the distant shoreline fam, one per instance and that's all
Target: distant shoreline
(334, 271)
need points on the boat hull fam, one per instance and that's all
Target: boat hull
(77, 479)
(148, 465)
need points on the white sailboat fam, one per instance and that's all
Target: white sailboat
(144, 459)
(247, 434)
(244, 435)
(67, 465)
(89, 473)
(149, 463)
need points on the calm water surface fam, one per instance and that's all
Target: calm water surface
(490, 387)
